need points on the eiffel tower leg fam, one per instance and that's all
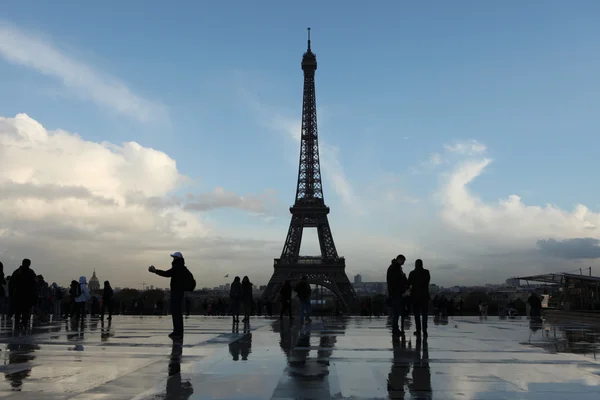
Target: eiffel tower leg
(293, 240)
(328, 250)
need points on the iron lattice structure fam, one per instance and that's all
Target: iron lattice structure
(310, 211)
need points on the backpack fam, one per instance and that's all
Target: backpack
(78, 290)
(189, 283)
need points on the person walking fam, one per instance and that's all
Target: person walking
(107, 300)
(418, 281)
(178, 274)
(397, 285)
(247, 298)
(235, 296)
(285, 297)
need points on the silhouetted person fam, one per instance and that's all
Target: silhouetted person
(247, 298)
(397, 285)
(57, 298)
(178, 276)
(536, 306)
(303, 291)
(418, 280)
(74, 292)
(23, 292)
(285, 296)
(82, 299)
(235, 296)
(94, 306)
(3, 302)
(107, 300)
(9, 307)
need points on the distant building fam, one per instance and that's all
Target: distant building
(512, 282)
(370, 287)
(94, 283)
(357, 279)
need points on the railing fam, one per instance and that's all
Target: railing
(310, 261)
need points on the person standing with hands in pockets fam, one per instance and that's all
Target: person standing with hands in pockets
(182, 280)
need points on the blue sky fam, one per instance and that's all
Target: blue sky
(220, 89)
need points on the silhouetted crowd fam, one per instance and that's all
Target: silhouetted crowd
(25, 294)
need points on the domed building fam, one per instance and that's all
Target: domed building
(94, 284)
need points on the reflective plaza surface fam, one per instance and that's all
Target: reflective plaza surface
(356, 358)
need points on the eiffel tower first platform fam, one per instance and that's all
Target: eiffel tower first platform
(309, 211)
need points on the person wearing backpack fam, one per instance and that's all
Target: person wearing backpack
(182, 280)
(82, 298)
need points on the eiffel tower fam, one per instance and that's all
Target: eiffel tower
(310, 211)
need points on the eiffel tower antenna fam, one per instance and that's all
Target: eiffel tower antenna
(309, 211)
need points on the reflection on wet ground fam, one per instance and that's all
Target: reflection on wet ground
(357, 358)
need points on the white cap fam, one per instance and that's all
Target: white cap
(177, 254)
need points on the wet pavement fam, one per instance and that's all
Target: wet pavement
(355, 358)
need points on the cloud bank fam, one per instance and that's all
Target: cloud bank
(74, 205)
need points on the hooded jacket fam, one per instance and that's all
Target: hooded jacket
(85, 292)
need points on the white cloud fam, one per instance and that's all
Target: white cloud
(263, 204)
(510, 218)
(496, 240)
(33, 52)
(470, 147)
(72, 205)
(433, 161)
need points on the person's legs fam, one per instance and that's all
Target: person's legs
(397, 309)
(247, 310)
(26, 314)
(417, 312)
(283, 308)
(308, 310)
(424, 314)
(81, 311)
(56, 309)
(302, 310)
(18, 310)
(236, 310)
(177, 313)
